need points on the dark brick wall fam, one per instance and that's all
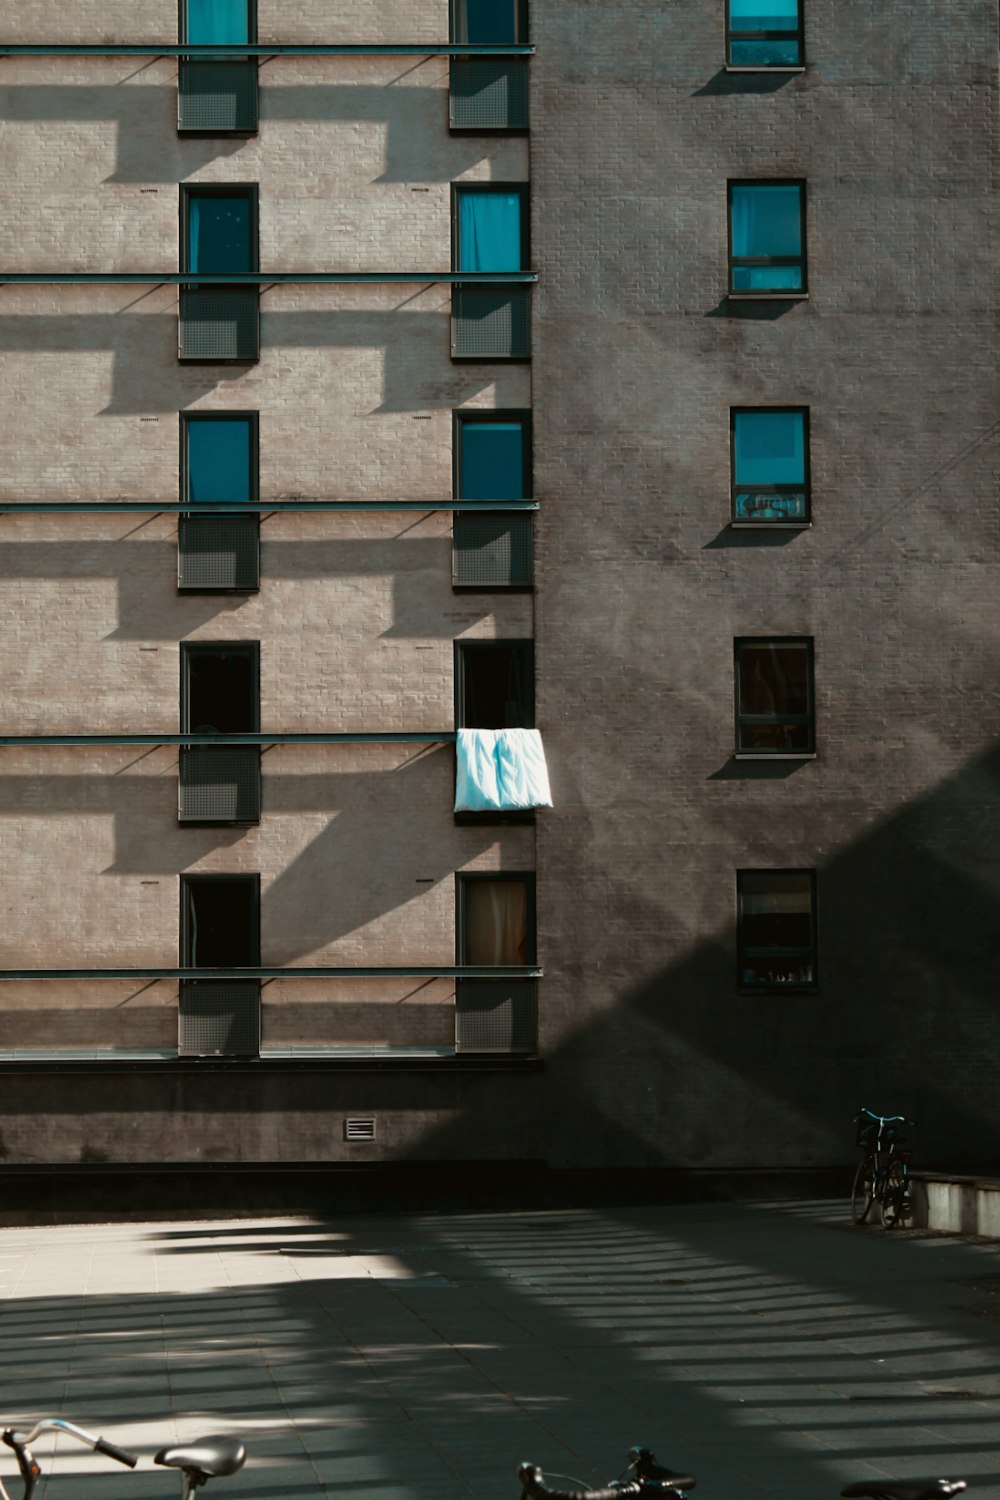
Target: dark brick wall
(654, 1055)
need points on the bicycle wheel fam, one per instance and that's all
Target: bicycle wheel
(863, 1192)
(896, 1198)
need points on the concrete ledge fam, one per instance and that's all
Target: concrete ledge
(956, 1204)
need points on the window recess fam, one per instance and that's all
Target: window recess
(764, 34)
(217, 95)
(489, 94)
(219, 323)
(776, 929)
(492, 462)
(495, 926)
(500, 763)
(218, 552)
(220, 694)
(220, 929)
(490, 235)
(767, 239)
(769, 447)
(775, 713)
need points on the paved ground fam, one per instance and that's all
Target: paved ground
(773, 1349)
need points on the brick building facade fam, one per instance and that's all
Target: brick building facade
(739, 942)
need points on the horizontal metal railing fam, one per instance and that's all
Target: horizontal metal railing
(277, 507)
(359, 971)
(263, 278)
(215, 51)
(387, 737)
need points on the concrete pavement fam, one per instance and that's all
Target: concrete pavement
(773, 1349)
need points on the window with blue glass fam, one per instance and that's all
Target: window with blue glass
(219, 458)
(489, 21)
(227, 21)
(767, 238)
(764, 33)
(490, 227)
(219, 229)
(493, 455)
(770, 465)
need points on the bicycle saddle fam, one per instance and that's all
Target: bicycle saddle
(913, 1489)
(211, 1456)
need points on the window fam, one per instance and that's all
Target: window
(774, 697)
(220, 695)
(770, 465)
(220, 929)
(217, 95)
(492, 455)
(219, 229)
(226, 21)
(490, 227)
(218, 553)
(494, 685)
(764, 33)
(489, 21)
(776, 929)
(767, 238)
(496, 920)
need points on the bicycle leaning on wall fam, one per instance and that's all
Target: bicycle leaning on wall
(883, 1174)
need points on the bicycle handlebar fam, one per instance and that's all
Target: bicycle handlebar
(19, 1440)
(533, 1483)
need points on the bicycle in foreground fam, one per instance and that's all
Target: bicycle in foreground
(198, 1462)
(883, 1173)
(650, 1479)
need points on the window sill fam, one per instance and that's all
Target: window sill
(767, 296)
(770, 526)
(764, 68)
(782, 755)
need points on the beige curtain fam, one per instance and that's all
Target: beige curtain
(496, 922)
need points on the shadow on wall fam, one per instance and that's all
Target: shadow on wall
(146, 376)
(148, 148)
(149, 607)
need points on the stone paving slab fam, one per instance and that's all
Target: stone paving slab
(773, 1349)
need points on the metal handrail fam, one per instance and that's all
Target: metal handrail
(237, 507)
(387, 737)
(360, 971)
(216, 50)
(264, 278)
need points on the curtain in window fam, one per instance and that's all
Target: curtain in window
(218, 462)
(218, 234)
(486, 20)
(489, 231)
(217, 21)
(495, 923)
(764, 15)
(769, 447)
(492, 464)
(500, 770)
(766, 221)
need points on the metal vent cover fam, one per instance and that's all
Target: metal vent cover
(219, 785)
(219, 323)
(496, 1015)
(216, 97)
(218, 1018)
(491, 551)
(360, 1128)
(489, 93)
(491, 322)
(218, 552)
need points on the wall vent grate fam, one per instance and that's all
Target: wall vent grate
(360, 1128)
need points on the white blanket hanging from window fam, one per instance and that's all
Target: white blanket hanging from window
(501, 770)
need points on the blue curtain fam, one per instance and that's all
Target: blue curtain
(218, 233)
(491, 461)
(217, 21)
(764, 15)
(488, 21)
(489, 231)
(767, 220)
(769, 447)
(218, 461)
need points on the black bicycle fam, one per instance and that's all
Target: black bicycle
(198, 1462)
(650, 1479)
(883, 1173)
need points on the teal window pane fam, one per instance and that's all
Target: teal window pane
(774, 53)
(767, 219)
(769, 447)
(489, 21)
(491, 461)
(217, 21)
(218, 462)
(489, 231)
(218, 233)
(764, 15)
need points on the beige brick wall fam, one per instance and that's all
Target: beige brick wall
(277, 21)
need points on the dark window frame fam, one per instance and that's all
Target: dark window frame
(186, 421)
(190, 649)
(776, 720)
(736, 263)
(737, 34)
(250, 190)
(522, 189)
(182, 20)
(466, 878)
(744, 951)
(457, 26)
(186, 881)
(465, 414)
(775, 489)
(464, 649)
